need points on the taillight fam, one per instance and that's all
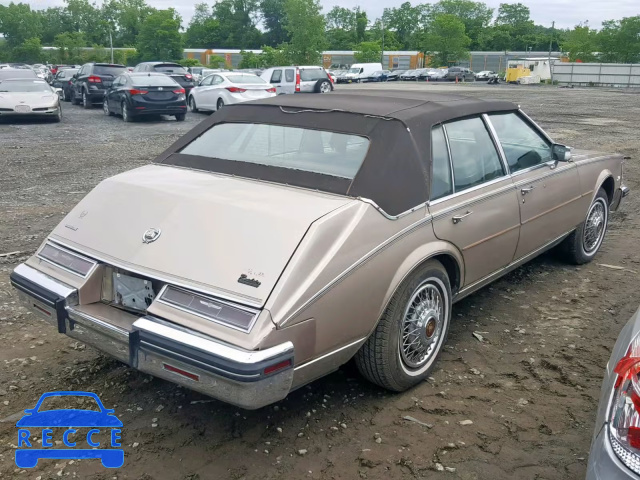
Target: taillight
(236, 89)
(188, 76)
(271, 90)
(624, 417)
(94, 79)
(179, 91)
(133, 91)
(297, 80)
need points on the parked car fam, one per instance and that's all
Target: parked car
(228, 88)
(394, 75)
(426, 74)
(198, 73)
(438, 75)
(301, 79)
(486, 75)
(174, 70)
(459, 73)
(28, 97)
(136, 94)
(313, 209)
(341, 76)
(379, 76)
(92, 81)
(64, 80)
(359, 72)
(615, 447)
(409, 75)
(10, 72)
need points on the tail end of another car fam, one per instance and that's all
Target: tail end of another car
(615, 447)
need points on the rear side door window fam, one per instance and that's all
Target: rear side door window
(289, 75)
(523, 146)
(276, 76)
(474, 156)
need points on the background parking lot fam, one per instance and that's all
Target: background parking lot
(521, 403)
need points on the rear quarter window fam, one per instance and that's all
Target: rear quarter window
(310, 75)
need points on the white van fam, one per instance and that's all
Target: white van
(359, 72)
(287, 80)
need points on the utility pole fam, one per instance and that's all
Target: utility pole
(553, 26)
(111, 42)
(382, 53)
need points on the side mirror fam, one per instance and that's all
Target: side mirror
(561, 153)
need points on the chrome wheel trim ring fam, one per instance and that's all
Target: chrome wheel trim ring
(594, 227)
(422, 328)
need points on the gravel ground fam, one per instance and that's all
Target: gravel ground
(521, 404)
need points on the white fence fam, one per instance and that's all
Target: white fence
(597, 74)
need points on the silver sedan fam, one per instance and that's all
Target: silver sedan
(220, 89)
(615, 449)
(26, 97)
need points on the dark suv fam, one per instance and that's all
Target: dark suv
(92, 80)
(174, 70)
(462, 74)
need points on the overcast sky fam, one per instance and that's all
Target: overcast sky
(566, 13)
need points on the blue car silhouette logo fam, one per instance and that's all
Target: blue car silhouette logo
(100, 423)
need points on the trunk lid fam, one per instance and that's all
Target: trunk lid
(214, 228)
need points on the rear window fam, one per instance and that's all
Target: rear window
(154, 81)
(309, 75)
(108, 70)
(31, 86)
(245, 78)
(328, 153)
(169, 68)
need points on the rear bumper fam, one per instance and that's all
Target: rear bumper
(603, 463)
(621, 192)
(248, 379)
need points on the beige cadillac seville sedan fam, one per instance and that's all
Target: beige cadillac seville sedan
(280, 238)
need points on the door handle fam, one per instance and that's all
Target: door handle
(526, 190)
(458, 218)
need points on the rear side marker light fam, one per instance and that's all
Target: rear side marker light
(179, 371)
(277, 367)
(48, 314)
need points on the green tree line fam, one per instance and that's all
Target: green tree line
(296, 31)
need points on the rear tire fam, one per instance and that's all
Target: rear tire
(180, 117)
(220, 104)
(86, 103)
(584, 242)
(323, 86)
(402, 350)
(192, 104)
(126, 116)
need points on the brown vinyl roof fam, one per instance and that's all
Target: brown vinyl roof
(396, 172)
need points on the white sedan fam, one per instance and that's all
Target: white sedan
(227, 88)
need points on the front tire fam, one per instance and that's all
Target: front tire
(402, 350)
(583, 244)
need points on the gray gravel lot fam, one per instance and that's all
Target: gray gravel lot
(530, 389)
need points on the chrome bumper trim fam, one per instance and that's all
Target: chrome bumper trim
(245, 378)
